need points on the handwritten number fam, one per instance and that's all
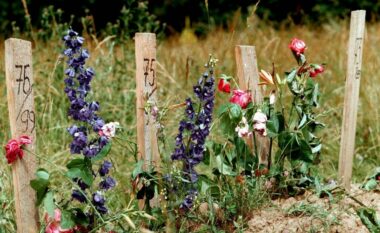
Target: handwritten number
(27, 117)
(19, 80)
(148, 68)
(26, 78)
(153, 72)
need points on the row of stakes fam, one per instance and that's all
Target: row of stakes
(19, 80)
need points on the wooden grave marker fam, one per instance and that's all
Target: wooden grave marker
(248, 79)
(146, 97)
(351, 98)
(19, 79)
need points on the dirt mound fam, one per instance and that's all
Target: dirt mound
(309, 213)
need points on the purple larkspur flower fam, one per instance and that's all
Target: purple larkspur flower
(105, 168)
(107, 183)
(77, 82)
(196, 126)
(98, 200)
(77, 195)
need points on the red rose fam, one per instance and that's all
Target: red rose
(241, 98)
(297, 46)
(13, 151)
(315, 70)
(224, 86)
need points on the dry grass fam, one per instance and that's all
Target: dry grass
(114, 87)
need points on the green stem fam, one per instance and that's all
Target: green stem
(72, 182)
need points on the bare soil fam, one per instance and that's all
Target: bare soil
(308, 213)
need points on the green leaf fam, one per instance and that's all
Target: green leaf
(316, 149)
(303, 121)
(78, 163)
(223, 109)
(275, 125)
(67, 219)
(40, 185)
(138, 169)
(235, 112)
(103, 152)
(370, 185)
(80, 168)
(49, 204)
(291, 76)
(224, 168)
(369, 219)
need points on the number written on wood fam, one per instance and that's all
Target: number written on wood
(24, 79)
(149, 63)
(26, 116)
(358, 52)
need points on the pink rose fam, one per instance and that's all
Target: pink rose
(242, 98)
(224, 86)
(297, 46)
(53, 225)
(316, 69)
(24, 140)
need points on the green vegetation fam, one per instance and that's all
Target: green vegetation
(179, 63)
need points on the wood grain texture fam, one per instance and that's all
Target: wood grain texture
(351, 98)
(248, 79)
(146, 87)
(19, 79)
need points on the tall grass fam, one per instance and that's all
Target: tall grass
(179, 64)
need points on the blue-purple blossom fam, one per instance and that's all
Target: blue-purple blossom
(98, 200)
(105, 168)
(188, 202)
(107, 183)
(194, 129)
(77, 86)
(77, 195)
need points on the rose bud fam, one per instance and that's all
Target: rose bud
(242, 98)
(297, 46)
(316, 69)
(224, 86)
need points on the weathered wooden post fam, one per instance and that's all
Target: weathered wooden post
(351, 98)
(19, 78)
(248, 79)
(146, 88)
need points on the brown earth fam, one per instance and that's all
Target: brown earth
(308, 213)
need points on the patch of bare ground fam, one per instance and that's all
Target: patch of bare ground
(308, 213)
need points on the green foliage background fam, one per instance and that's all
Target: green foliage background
(173, 12)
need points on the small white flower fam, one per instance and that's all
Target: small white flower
(243, 129)
(259, 123)
(272, 97)
(259, 117)
(109, 129)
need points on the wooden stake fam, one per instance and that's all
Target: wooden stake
(19, 78)
(146, 89)
(351, 99)
(248, 79)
